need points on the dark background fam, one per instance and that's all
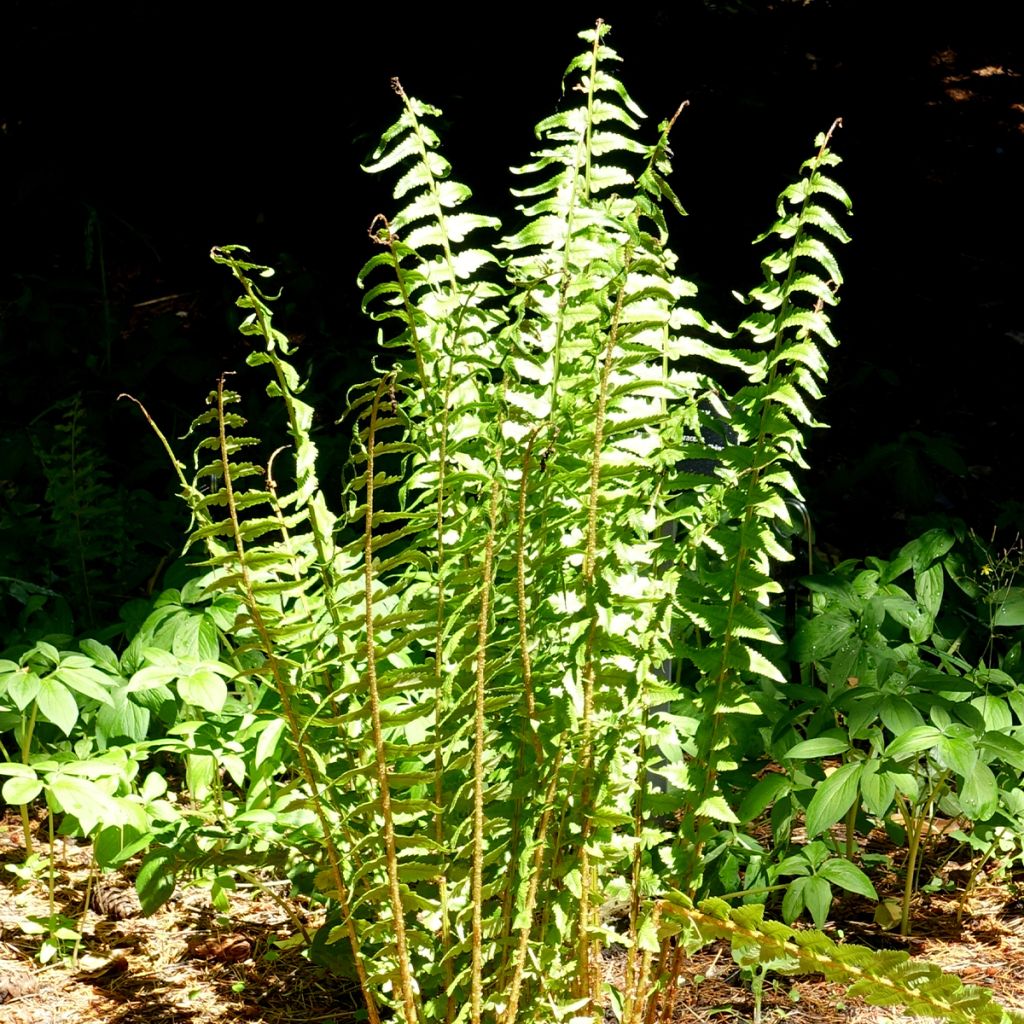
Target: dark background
(133, 138)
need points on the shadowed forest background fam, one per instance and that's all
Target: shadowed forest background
(133, 140)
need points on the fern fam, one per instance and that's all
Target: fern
(89, 512)
(879, 977)
(726, 590)
(469, 657)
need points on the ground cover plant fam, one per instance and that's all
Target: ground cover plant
(511, 703)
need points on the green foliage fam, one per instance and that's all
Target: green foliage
(74, 540)
(879, 977)
(442, 707)
(468, 660)
(918, 727)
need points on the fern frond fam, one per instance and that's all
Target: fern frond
(879, 977)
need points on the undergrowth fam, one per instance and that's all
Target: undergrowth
(502, 708)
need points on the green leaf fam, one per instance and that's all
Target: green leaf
(22, 688)
(817, 896)
(1009, 607)
(101, 654)
(763, 793)
(833, 798)
(205, 689)
(847, 876)
(123, 718)
(899, 715)
(266, 745)
(1004, 748)
(83, 798)
(647, 936)
(19, 790)
(995, 713)
(90, 683)
(820, 746)
(117, 844)
(959, 755)
(57, 704)
(717, 809)
(877, 788)
(922, 737)
(793, 901)
(979, 794)
(156, 879)
(928, 586)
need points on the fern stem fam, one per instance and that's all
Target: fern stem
(586, 970)
(515, 986)
(285, 694)
(439, 215)
(390, 852)
(598, 26)
(706, 750)
(483, 628)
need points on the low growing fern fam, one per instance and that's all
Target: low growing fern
(469, 657)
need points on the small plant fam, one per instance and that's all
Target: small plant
(917, 727)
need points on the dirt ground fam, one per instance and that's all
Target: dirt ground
(189, 963)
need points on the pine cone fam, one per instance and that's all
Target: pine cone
(115, 903)
(14, 984)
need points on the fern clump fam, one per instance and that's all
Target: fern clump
(552, 495)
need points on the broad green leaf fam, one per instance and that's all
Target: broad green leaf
(1005, 748)
(923, 737)
(57, 704)
(1008, 605)
(152, 676)
(877, 789)
(995, 713)
(979, 794)
(156, 879)
(817, 896)
(959, 755)
(85, 799)
(20, 790)
(847, 876)
(122, 717)
(88, 682)
(793, 900)
(928, 589)
(899, 715)
(117, 844)
(205, 689)
(919, 554)
(833, 798)
(820, 746)
(101, 654)
(763, 793)
(22, 688)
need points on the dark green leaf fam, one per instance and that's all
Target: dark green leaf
(847, 876)
(833, 798)
(156, 879)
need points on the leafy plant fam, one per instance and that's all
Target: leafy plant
(917, 727)
(464, 667)
(879, 977)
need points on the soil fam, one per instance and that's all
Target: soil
(187, 962)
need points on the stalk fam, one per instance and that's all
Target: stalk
(483, 628)
(404, 967)
(586, 976)
(284, 690)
